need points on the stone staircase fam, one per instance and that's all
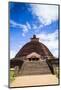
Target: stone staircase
(34, 68)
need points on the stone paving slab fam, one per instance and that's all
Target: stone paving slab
(33, 80)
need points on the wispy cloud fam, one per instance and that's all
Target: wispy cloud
(37, 28)
(24, 27)
(51, 41)
(45, 13)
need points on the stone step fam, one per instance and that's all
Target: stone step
(36, 65)
(36, 69)
(35, 72)
(33, 63)
(41, 70)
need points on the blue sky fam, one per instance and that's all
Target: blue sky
(27, 19)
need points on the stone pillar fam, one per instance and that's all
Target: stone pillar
(16, 70)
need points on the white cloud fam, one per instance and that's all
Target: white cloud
(51, 41)
(36, 28)
(12, 54)
(23, 27)
(28, 25)
(26, 28)
(13, 24)
(45, 13)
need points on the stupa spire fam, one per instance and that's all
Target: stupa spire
(34, 38)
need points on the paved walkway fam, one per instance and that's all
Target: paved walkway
(33, 80)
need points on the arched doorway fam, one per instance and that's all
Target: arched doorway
(33, 57)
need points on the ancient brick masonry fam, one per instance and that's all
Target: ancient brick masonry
(33, 59)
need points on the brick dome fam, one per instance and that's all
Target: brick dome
(34, 46)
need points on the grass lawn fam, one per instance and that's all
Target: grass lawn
(12, 75)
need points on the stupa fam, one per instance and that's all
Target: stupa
(32, 59)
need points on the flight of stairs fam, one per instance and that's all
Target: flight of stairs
(34, 68)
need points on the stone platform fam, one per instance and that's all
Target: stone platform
(35, 80)
(34, 68)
